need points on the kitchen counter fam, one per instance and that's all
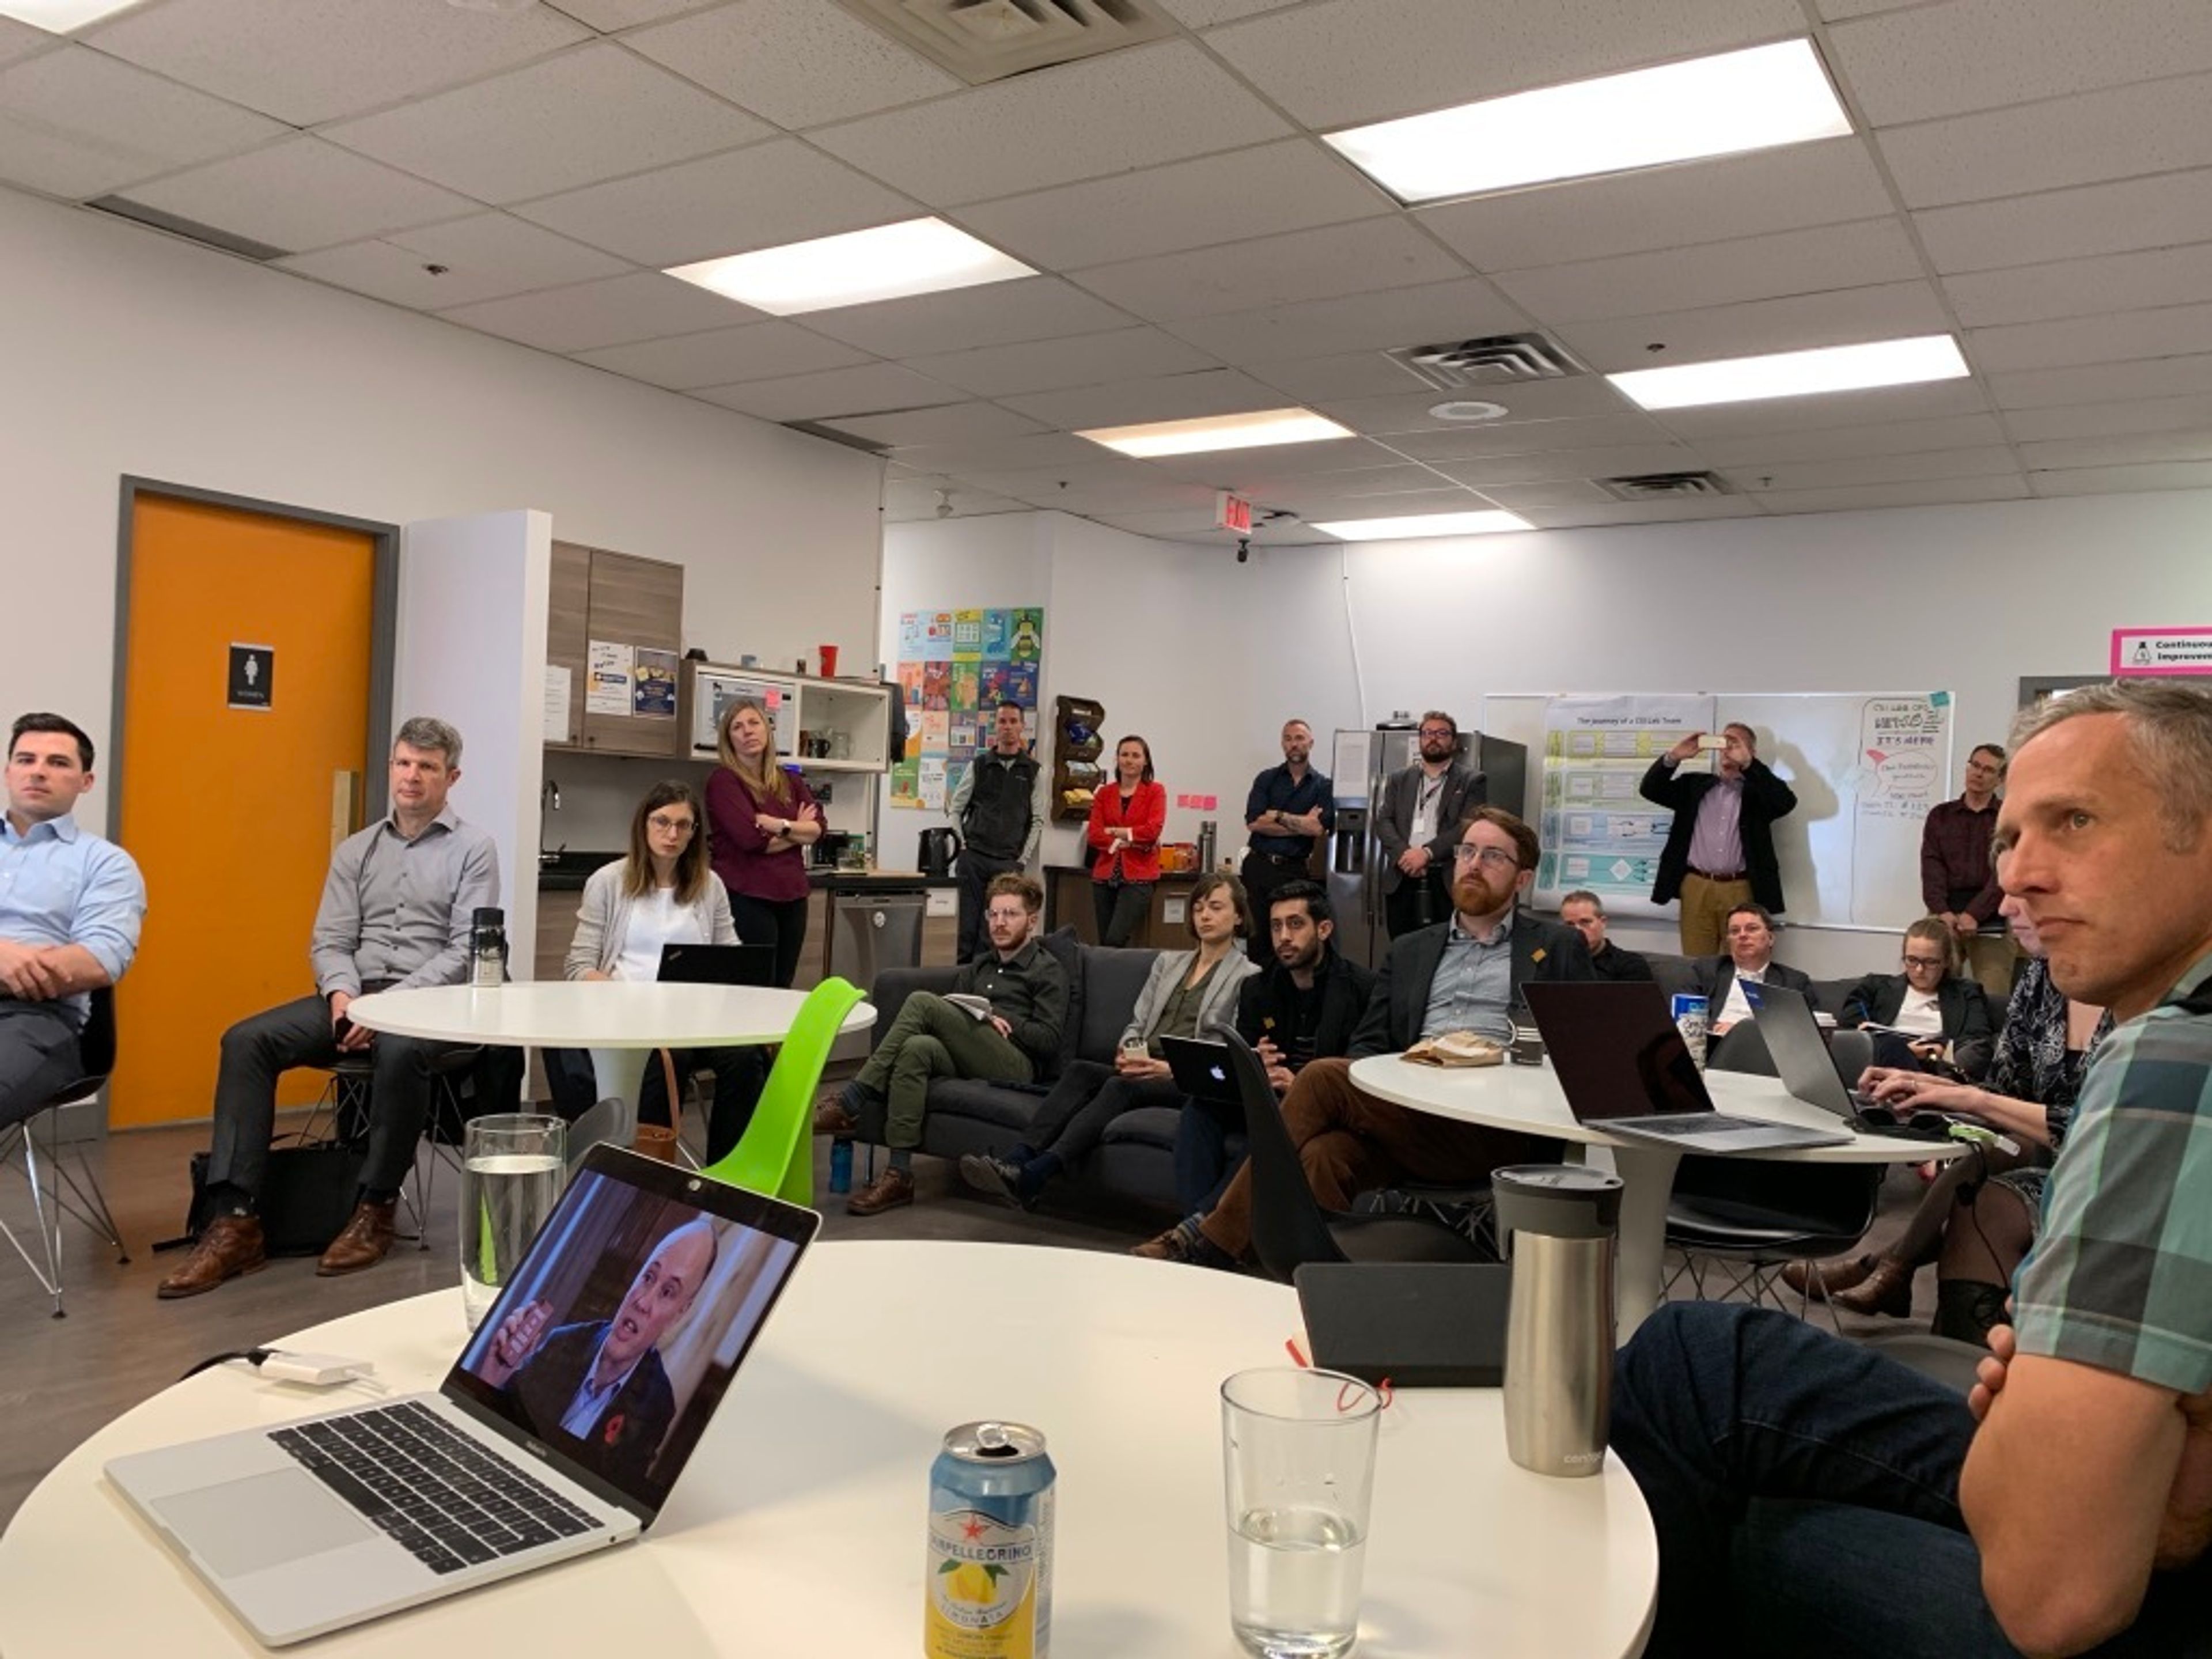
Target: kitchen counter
(569, 871)
(863, 881)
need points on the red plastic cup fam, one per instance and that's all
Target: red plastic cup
(829, 655)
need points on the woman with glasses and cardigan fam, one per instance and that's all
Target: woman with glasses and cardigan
(1929, 1012)
(662, 893)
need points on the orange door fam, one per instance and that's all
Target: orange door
(231, 811)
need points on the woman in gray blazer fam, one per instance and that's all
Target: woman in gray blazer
(662, 892)
(1189, 994)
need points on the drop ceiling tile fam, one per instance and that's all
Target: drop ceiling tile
(1847, 316)
(760, 196)
(797, 62)
(1364, 60)
(1193, 522)
(1928, 401)
(1659, 512)
(2113, 480)
(75, 123)
(1396, 317)
(1562, 492)
(1275, 270)
(722, 356)
(1324, 509)
(308, 61)
(1110, 114)
(1162, 397)
(2060, 224)
(1578, 396)
(1121, 498)
(1980, 54)
(566, 121)
(1010, 455)
(2112, 420)
(1081, 478)
(1466, 443)
(644, 306)
(1771, 447)
(997, 314)
(609, 15)
(2159, 127)
(1837, 10)
(1873, 470)
(865, 389)
(302, 194)
(2076, 287)
(1049, 365)
(949, 423)
(1351, 378)
(1925, 492)
(2135, 449)
(1824, 256)
(1280, 467)
(1546, 466)
(21, 40)
(1738, 196)
(1353, 484)
(486, 257)
(2101, 383)
(2170, 331)
(1205, 14)
(1260, 191)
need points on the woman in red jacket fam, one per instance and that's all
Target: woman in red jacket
(1127, 817)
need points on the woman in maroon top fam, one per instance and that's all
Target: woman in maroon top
(761, 817)
(1127, 817)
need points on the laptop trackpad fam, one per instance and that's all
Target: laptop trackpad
(262, 1522)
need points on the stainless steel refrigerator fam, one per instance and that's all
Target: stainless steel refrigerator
(1361, 760)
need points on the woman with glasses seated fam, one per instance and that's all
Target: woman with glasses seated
(1927, 1012)
(661, 893)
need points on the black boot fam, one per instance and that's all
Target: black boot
(1966, 1308)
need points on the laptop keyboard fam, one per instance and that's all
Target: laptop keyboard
(436, 1492)
(1699, 1123)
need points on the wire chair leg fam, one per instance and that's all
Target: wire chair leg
(49, 1226)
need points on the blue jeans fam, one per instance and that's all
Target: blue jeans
(1203, 1166)
(1805, 1494)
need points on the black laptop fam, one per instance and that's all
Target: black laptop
(1421, 1324)
(1626, 1072)
(1808, 1068)
(718, 964)
(1201, 1069)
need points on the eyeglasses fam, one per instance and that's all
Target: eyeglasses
(668, 826)
(1438, 731)
(1496, 857)
(1923, 962)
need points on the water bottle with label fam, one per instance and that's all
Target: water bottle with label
(840, 1166)
(487, 946)
(1692, 1015)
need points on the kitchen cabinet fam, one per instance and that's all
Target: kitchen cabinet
(621, 600)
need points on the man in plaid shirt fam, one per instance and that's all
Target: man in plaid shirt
(1813, 1497)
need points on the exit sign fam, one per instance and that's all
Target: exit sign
(1232, 513)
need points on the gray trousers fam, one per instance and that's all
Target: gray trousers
(255, 1050)
(38, 1055)
(930, 1038)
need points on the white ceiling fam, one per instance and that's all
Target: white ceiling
(2033, 175)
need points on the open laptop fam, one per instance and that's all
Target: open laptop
(514, 1464)
(1201, 1069)
(1808, 1068)
(717, 965)
(1625, 1070)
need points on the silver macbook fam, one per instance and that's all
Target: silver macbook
(1625, 1070)
(559, 1430)
(1808, 1067)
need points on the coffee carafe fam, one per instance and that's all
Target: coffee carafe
(487, 945)
(1559, 1224)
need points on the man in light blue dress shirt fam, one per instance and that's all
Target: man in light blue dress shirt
(71, 908)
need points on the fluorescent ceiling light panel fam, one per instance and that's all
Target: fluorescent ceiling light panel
(1493, 523)
(1795, 373)
(891, 262)
(1268, 426)
(1718, 105)
(60, 17)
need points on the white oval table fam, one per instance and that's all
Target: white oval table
(621, 1020)
(798, 1527)
(1529, 1098)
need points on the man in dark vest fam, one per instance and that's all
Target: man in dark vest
(995, 806)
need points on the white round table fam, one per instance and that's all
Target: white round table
(798, 1527)
(621, 1020)
(1529, 1098)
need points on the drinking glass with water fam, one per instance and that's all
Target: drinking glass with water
(512, 1168)
(1297, 1450)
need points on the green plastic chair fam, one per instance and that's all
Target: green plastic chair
(776, 1154)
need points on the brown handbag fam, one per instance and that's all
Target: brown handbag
(659, 1140)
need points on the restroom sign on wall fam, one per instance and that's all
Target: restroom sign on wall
(253, 675)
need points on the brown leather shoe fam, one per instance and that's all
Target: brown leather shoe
(229, 1245)
(1839, 1274)
(1887, 1290)
(832, 1119)
(886, 1191)
(1173, 1245)
(362, 1242)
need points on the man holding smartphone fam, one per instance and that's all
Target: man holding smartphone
(396, 911)
(1720, 849)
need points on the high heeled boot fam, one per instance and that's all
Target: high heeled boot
(1887, 1290)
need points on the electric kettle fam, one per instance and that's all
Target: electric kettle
(937, 850)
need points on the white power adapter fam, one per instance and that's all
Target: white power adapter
(319, 1370)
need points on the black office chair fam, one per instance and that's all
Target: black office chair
(444, 1127)
(1753, 1216)
(1289, 1226)
(60, 1191)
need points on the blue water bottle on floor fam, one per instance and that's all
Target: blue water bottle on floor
(840, 1166)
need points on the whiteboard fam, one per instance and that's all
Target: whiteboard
(1865, 766)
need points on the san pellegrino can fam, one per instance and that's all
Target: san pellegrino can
(989, 1588)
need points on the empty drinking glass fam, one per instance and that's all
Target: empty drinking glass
(513, 1165)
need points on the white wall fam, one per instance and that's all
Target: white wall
(126, 352)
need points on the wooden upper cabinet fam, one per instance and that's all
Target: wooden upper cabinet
(618, 599)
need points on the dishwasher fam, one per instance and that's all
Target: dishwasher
(872, 928)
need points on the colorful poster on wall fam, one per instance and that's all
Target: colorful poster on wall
(955, 667)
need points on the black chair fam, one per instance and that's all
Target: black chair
(444, 1127)
(61, 1191)
(1757, 1215)
(1289, 1226)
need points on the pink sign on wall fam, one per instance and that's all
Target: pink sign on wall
(2140, 650)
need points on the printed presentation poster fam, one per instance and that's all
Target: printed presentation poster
(955, 668)
(1597, 831)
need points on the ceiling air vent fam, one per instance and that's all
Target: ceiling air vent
(1496, 360)
(1666, 486)
(981, 40)
(191, 229)
(851, 440)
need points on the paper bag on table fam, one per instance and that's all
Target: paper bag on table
(1457, 1049)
